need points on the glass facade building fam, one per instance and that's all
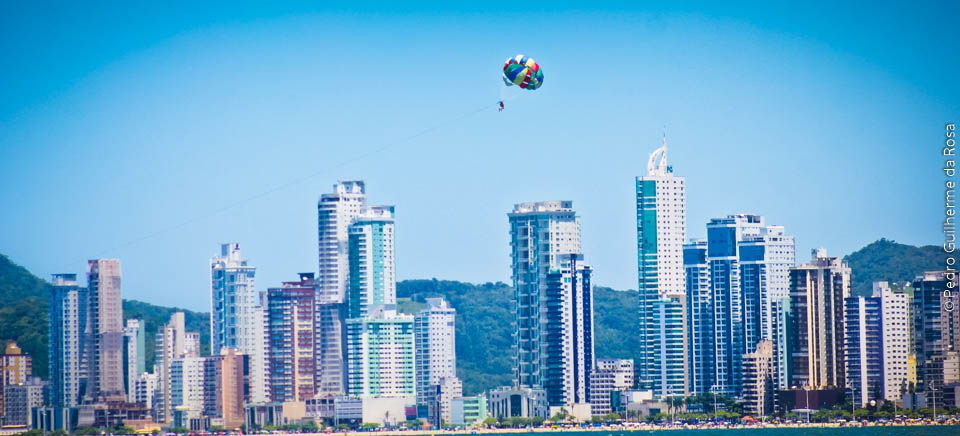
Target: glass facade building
(661, 230)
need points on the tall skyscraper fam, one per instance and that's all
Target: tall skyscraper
(380, 355)
(436, 357)
(766, 256)
(863, 349)
(735, 283)
(895, 319)
(372, 277)
(290, 333)
(937, 333)
(701, 353)
(661, 231)
(237, 318)
(134, 356)
(569, 333)
(336, 211)
(105, 332)
(540, 233)
(67, 354)
(815, 331)
(553, 297)
(876, 345)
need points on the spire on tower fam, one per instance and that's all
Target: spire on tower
(653, 167)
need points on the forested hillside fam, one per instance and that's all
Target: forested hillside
(890, 261)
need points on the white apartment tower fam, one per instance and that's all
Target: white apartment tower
(540, 234)
(436, 359)
(237, 318)
(336, 211)
(876, 345)
(895, 314)
(434, 335)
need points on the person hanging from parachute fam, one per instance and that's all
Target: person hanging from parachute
(521, 71)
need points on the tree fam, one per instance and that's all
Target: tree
(489, 421)
(415, 424)
(560, 416)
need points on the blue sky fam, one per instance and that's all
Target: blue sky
(148, 132)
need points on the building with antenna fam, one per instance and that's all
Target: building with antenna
(237, 318)
(661, 231)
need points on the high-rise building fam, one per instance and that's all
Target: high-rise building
(540, 234)
(171, 344)
(815, 332)
(105, 332)
(67, 353)
(223, 393)
(569, 334)
(187, 385)
(766, 256)
(380, 355)
(863, 349)
(661, 231)
(237, 318)
(700, 317)
(290, 333)
(336, 211)
(15, 368)
(876, 345)
(134, 356)
(758, 379)
(937, 332)
(736, 282)
(669, 352)
(436, 357)
(372, 278)
(607, 377)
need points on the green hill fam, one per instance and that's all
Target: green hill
(23, 312)
(891, 261)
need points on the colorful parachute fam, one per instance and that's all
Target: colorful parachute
(523, 72)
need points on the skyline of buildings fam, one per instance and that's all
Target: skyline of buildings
(731, 314)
